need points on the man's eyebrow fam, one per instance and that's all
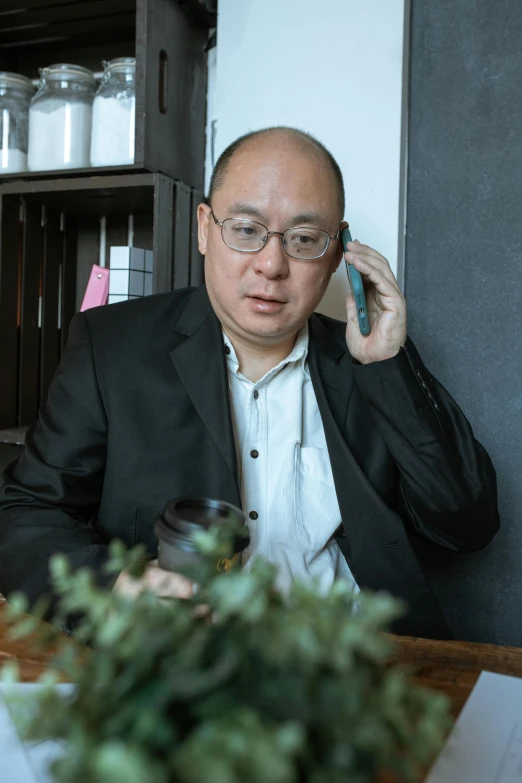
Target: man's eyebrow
(308, 217)
(241, 208)
(302, 218)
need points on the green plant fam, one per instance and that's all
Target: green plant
(256, 689)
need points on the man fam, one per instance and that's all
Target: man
(343, 450)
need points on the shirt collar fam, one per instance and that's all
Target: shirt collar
(298, 354)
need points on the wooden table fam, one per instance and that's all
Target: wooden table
(451, 667)
(31, 664)
(454, 667)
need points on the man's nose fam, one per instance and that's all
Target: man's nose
(272, 261)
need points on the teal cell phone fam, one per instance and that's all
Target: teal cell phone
(356, 284)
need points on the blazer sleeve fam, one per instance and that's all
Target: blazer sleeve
(49, 496)
(447, 491)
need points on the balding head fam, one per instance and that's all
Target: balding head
(279, 140)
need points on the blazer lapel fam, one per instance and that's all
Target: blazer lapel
(339, 402)
(200, 362)
(330, 372)
(333, 381)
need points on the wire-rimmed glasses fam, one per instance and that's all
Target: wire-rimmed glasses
(249, 236)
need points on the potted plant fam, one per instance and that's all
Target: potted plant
(254, 688)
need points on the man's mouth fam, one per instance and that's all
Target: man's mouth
(264, 303)
(266, 298)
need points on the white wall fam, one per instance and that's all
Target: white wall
(333, 68)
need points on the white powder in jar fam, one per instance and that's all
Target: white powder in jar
(12, 160)
(59, 135)
(113, 130)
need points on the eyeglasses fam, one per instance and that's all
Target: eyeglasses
(248, 236)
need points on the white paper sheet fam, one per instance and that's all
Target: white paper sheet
(24, 762)
(485, 745)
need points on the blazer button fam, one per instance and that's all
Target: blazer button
(253, 515)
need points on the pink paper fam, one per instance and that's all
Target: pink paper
(97, 289)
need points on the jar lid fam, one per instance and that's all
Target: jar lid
(16, 81)
(120, 64)
(65, 70)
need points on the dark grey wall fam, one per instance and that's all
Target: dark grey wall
(463, 280)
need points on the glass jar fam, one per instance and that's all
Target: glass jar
(60, 118)
(15, 96)
(181, 518)
(113, 114)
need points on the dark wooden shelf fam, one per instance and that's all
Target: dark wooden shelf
(49, 240)
(126, 193)
(205, 11)
(50, 228)
(61, 174)
(168, 40)
(36, 23)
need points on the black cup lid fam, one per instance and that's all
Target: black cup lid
(184, 516)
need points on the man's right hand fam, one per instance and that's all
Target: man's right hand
(164, 583)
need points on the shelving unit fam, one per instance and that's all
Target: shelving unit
(50, 221)
(168, 39)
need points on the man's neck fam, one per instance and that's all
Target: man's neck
(256, 360)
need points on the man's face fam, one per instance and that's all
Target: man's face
(265, 297)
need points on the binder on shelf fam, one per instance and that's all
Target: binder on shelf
(97, 289)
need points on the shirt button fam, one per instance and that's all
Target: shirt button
(254, 453)
(227, 349)
(256, 394)
(253, 515)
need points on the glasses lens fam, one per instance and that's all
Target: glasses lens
(305, 242)
(246, 235)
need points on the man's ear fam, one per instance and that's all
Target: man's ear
(339, 250)
(338, 254)
(203, 226)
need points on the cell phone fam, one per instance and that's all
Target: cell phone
(356, 284)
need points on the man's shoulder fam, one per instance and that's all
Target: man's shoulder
(142, 310)
(140, 325)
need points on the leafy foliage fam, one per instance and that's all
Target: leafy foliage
(255, 689)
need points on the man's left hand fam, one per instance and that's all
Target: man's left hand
(385, 304)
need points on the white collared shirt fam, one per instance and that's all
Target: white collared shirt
(286, 481)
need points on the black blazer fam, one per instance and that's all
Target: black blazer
(139, 413)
